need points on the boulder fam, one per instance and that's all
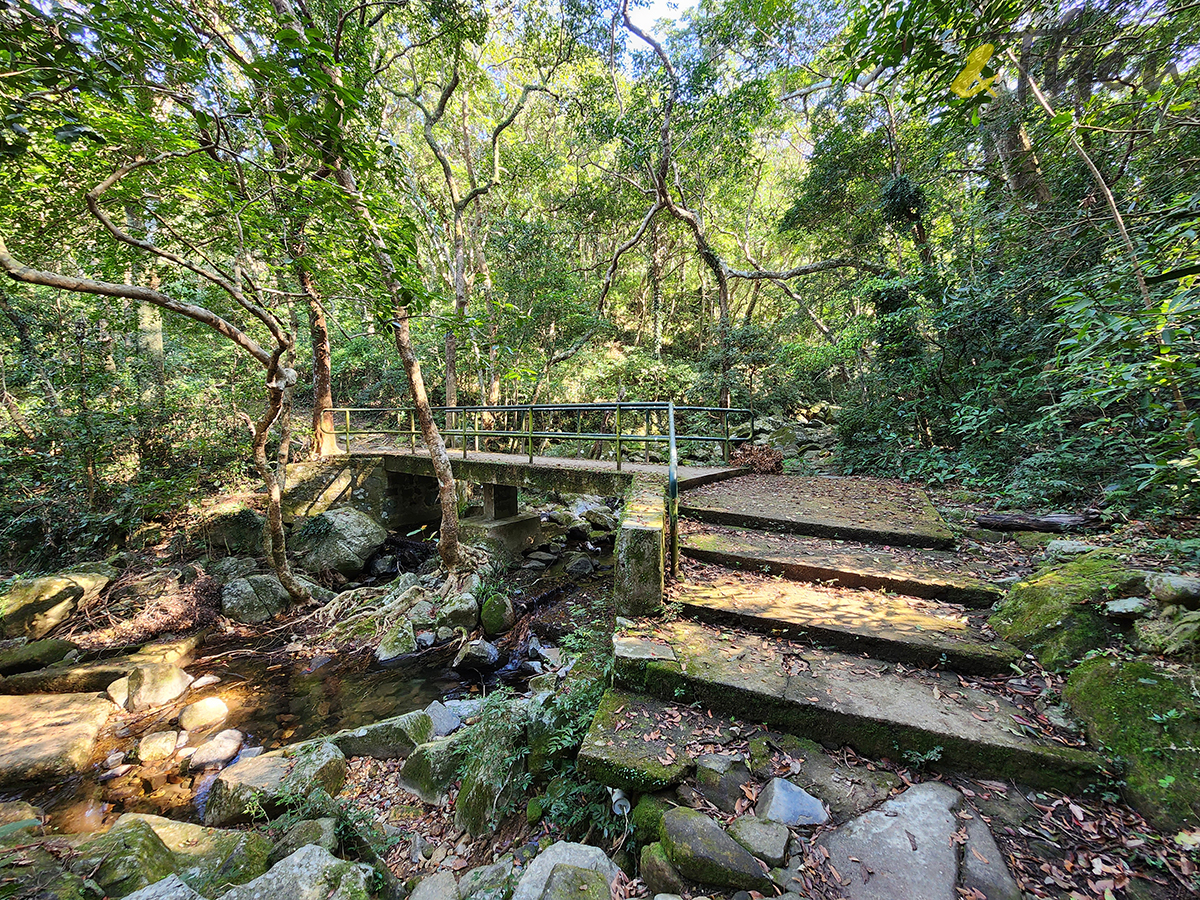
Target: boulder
(460, 611)
(657, 872)
(578, 565)
(169, 888)
(783, 802)
(393, 738)
(155, 684)
(700, 850)
(486, 882)
(232, 527)
(1174, 590)
(254, 599)
(576, 883)
(478, 655)
(311, 873)
(846, 790)
(1052, 613)
(443, 718)
(432, 767)
(438, 886)
(764, 839)
(36, 606)
(319, 832)
(907, 845)
(160, 745)
(217, 751)
(600, 519)
(203, 714)
(144, 590)
(498, 615)
(48, 736)
(264, 780)
(208, 860)
(983, 867)
(341, 540)
(118, 691)
(537, 873)
(1127, 707)
(127, 858)
(719, 777)
(34, 655)
(398, 641)
(1129, 608)
(229, 569)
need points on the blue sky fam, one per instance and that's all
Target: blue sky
(646, 16)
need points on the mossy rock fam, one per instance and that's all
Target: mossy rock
(1053, 612)
(35, 872)
(648, 818)
(608, 757)
(498, 615)
(1139, 714)
(432, 767)
(127, 858)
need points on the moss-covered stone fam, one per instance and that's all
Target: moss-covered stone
(36, 872)
(432, 767)
(1033, 540)
(498, 615)
(648, 817)
(1143, 716)
(623, 759)
(657, 872)
(127, 858)
(1053, 612)
(34, 655)
(700, 850)
(568, 882)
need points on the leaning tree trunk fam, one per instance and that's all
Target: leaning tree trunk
(448, 544)
(324, 441)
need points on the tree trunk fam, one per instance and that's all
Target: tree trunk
(448, 544)
(656, 288)
(324, 442)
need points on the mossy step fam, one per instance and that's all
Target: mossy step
(860, 509)
(616, 751)
(847, 700)
(916, 632)
(824, 560)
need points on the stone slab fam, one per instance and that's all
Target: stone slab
(615, 753)
(916, 632)
(97, 675)
(842, 699)
(513, 534)
(48, 736)
(903, 849)
(866, 509)
(824, 560)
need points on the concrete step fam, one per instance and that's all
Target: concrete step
(860, 509)
(932, 574)
(877, 708)
(902, 629)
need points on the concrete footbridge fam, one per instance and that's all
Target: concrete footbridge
(386, 471)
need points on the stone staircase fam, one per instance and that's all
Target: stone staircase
(878, 645)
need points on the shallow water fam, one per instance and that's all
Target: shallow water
(274, 700)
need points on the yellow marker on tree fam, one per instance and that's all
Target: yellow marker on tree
(968, 83)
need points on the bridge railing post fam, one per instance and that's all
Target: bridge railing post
(618, 420)
(531, 435)
(347, 431)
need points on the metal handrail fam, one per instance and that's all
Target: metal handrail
(528, 434)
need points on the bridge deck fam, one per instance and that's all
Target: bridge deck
(509, 468)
